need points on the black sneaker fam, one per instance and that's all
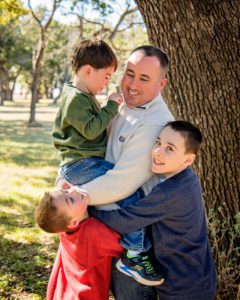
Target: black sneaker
(140, 268)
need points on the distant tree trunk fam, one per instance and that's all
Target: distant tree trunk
(37, 60)
(202, 41)
(47, 91)
(14, 83)
(66, 79)
(1, 97)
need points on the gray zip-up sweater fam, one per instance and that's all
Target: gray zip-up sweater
(132, 136)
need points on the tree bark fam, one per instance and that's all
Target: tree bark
(202, 41)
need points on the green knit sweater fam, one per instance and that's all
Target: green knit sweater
(79, 129)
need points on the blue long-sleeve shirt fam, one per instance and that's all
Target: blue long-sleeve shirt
(175, 211)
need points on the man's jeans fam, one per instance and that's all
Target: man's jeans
(84, 170)
(126, 288)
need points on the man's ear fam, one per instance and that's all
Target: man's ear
(73, 223)
(190, 159)
(163, 83)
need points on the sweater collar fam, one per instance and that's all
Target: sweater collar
(150, 104)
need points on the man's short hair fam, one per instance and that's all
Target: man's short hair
(191, 134)
(150, 50)
(95, 53)
(48, 217)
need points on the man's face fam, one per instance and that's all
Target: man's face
(168, 154)
(70, 204)
(143, 79)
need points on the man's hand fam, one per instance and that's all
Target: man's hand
(116, 97)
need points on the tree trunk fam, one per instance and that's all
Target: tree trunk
(202, 41)
(38, 59)
(66, 79)
(14, 83)
(1, 94)
(34, 87)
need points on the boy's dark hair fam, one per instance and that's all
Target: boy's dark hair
(191, 134)
(150, 50)
(95, 53)
(47, 216)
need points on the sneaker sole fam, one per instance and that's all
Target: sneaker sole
(123, 269)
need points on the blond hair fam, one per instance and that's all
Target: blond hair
(48, 217)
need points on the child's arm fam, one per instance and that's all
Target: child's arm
(146, 211)
(86, 119)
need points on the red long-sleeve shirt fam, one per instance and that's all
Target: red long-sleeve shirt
(83, 264)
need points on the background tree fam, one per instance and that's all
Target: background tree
(44, 22)
(113, 21)
(53, 72)
(202, 40)
(11, 52)
(11, 10)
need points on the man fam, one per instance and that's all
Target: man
(132, 135)
(134, 130)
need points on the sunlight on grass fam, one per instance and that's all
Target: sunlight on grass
(29, 166)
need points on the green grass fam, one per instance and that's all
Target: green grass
(28, 165)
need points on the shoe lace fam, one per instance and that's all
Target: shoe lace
(147, 264)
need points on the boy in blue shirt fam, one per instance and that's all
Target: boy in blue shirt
(175, 212)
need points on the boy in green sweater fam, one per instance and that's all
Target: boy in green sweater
(80, 127)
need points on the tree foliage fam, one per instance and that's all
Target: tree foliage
(11, 10)
(117, 22)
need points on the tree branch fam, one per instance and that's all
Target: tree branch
(33, 14)
(121, 18)
(55, 5)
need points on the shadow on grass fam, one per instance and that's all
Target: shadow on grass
(19, 131)
(27, 146)
(24, 267)
(26, 256)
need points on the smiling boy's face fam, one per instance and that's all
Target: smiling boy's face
(70, 204)
(169, 155)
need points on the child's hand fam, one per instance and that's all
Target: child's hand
(62, 184)
(116, 97)
(81, 193)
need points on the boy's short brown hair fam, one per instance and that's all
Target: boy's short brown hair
(47, 216)
(95, 53)
(191, 134)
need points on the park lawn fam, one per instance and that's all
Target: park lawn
(28, 165)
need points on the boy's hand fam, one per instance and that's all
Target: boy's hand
(116, 97)
(81, 193)
(62, 184)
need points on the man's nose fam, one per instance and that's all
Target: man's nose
(133, 84)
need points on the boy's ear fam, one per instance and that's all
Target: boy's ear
(87, 69)
(190, 159)
(73, 223)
